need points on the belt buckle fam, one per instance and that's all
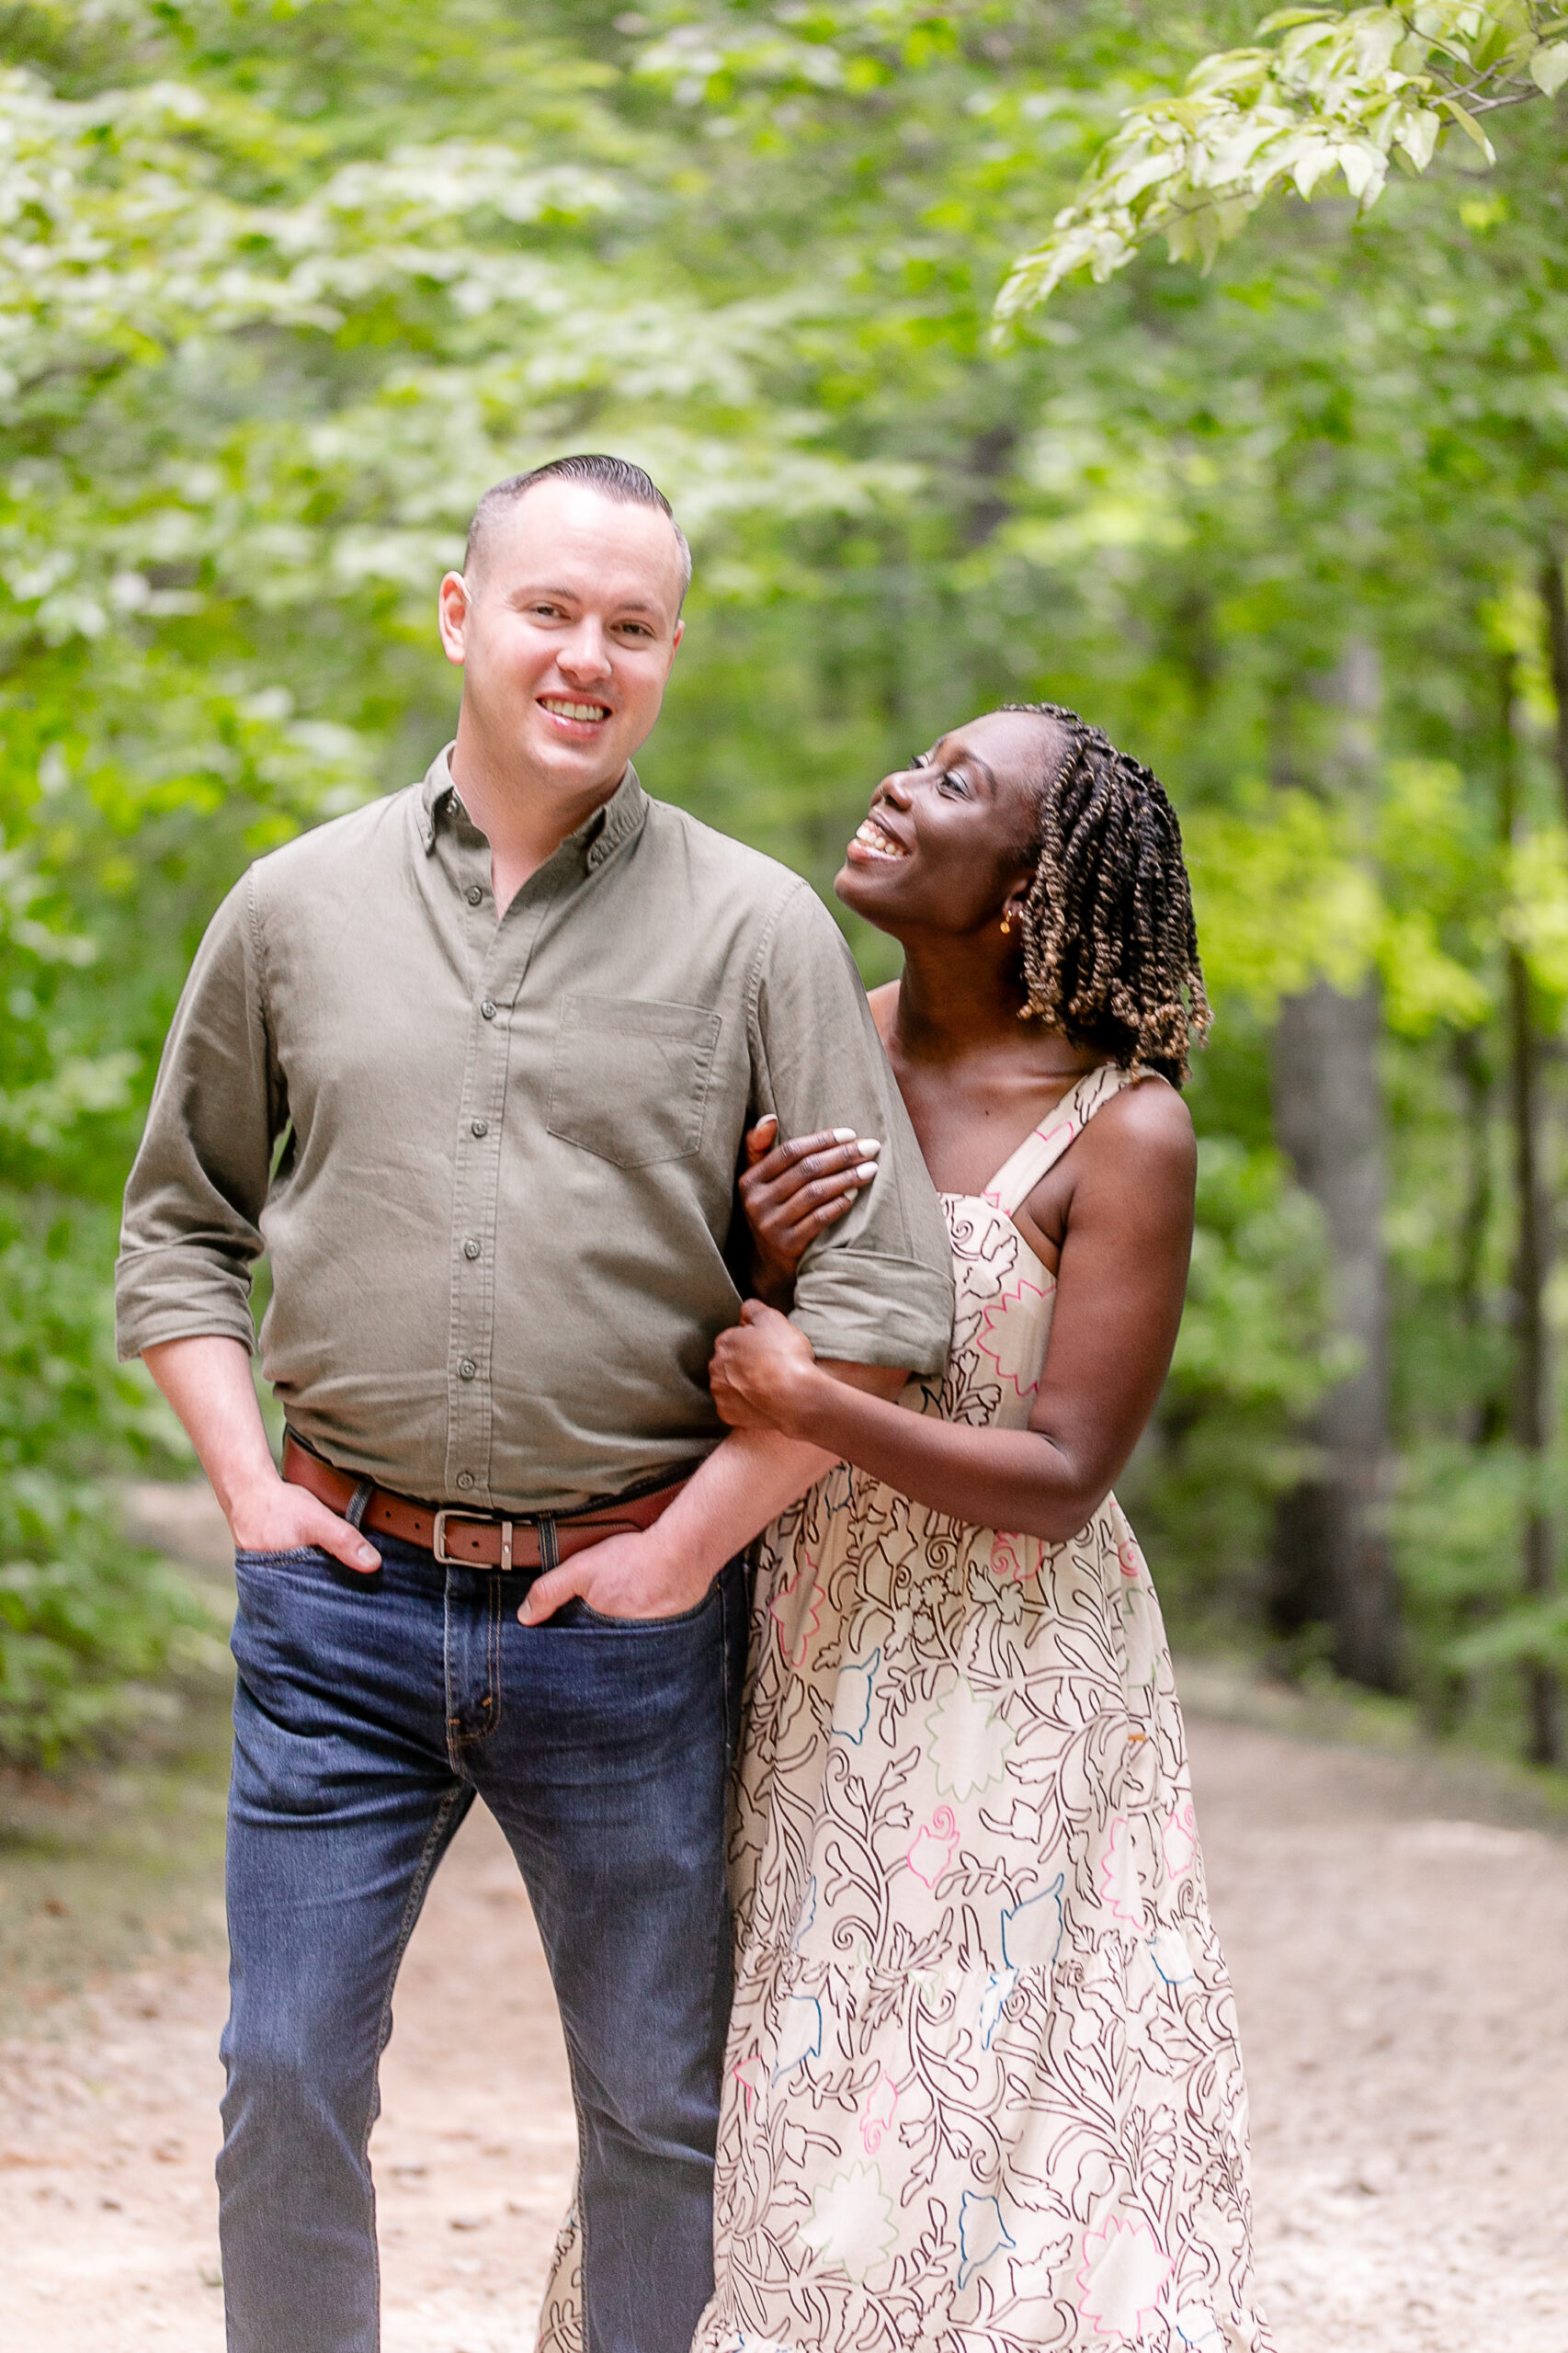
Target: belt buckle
(439, 1539)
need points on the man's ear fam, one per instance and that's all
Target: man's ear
(451, 615)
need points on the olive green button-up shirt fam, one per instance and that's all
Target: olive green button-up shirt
(492, 1163)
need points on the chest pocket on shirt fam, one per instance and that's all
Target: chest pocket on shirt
(630, 1077)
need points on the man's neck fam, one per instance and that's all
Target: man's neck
(524, 819)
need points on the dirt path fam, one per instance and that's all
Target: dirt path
(1400, 1971)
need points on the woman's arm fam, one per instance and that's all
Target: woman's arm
(1120, 1282)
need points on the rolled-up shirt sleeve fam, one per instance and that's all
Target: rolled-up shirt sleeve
(876, 1287)
(191, 1229)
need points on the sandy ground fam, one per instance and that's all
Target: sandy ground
(1400, 1971)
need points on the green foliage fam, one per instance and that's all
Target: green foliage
(87, 1624)
(282, 290)
(1336, 93)
(1256, 1349)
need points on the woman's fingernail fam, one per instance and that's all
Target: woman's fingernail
(870, 1145)
(866, 1171)
(844, 1135)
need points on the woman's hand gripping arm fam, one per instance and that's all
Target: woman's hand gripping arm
(1127, 1233)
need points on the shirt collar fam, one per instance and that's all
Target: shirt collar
(595, 840)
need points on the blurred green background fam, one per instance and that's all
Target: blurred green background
(283, 286)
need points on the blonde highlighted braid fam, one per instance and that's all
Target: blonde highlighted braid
(1109, 944)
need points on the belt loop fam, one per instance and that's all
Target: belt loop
(549, 1548)
(363, 1491)
(505, 1546)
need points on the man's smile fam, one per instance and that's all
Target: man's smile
(582, 714)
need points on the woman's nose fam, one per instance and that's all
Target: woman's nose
(898, 788)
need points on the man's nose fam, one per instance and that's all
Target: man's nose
(585, 653)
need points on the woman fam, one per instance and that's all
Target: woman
(984, 2087)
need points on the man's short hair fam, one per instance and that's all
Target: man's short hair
(617, 478)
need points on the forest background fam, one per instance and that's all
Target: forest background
(283, 286)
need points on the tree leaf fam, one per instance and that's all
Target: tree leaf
(1548, 67)
(1469, 125)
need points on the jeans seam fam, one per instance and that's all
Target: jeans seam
(579, 2202)
(418, 1885)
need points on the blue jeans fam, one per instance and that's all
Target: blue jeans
(370, 1712)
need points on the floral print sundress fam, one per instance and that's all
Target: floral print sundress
(982, 2088)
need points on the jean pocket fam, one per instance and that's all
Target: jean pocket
(245, 1558)
(590, 1617)
(631, 1076)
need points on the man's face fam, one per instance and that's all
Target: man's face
(566, 635)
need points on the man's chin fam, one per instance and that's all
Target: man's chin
(578, 765)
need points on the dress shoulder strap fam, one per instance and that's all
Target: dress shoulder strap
(1017, 1178)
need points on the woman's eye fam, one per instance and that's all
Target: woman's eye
(952, 780)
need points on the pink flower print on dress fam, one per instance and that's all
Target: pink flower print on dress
(1180, 1839)
(1012, 1342)
(1009, 1560)
(796, 1610)
(1129, 1558)
(751, 2074)
(931, 1849)
(1118, 1874)
(1120, 2280)
(877, 2113)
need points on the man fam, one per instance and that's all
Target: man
(473, 1064)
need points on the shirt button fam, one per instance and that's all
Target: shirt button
(488, 1009)
(470, 1249)
(465, 1480)
(467, 1370)
(482, 1126)
(474, 895)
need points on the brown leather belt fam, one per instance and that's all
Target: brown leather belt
(471, 1539)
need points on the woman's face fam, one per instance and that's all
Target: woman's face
(949, 840)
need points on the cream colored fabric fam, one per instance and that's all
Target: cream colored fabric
(984, 2089)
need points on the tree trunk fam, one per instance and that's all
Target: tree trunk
(1532, 1377)
(1330, 1564)
(1555, 605)
(1331, 1557)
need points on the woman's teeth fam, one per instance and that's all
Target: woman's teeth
(870, 835)
(574, 709)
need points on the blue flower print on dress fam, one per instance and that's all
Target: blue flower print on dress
(799, 2033)
(1167, 1948)
(1031, 1931)
(852, 1708)
(981, 2234)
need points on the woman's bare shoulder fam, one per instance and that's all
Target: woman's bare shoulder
(1147, 1127)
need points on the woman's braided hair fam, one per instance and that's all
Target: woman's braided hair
(1109, 945)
